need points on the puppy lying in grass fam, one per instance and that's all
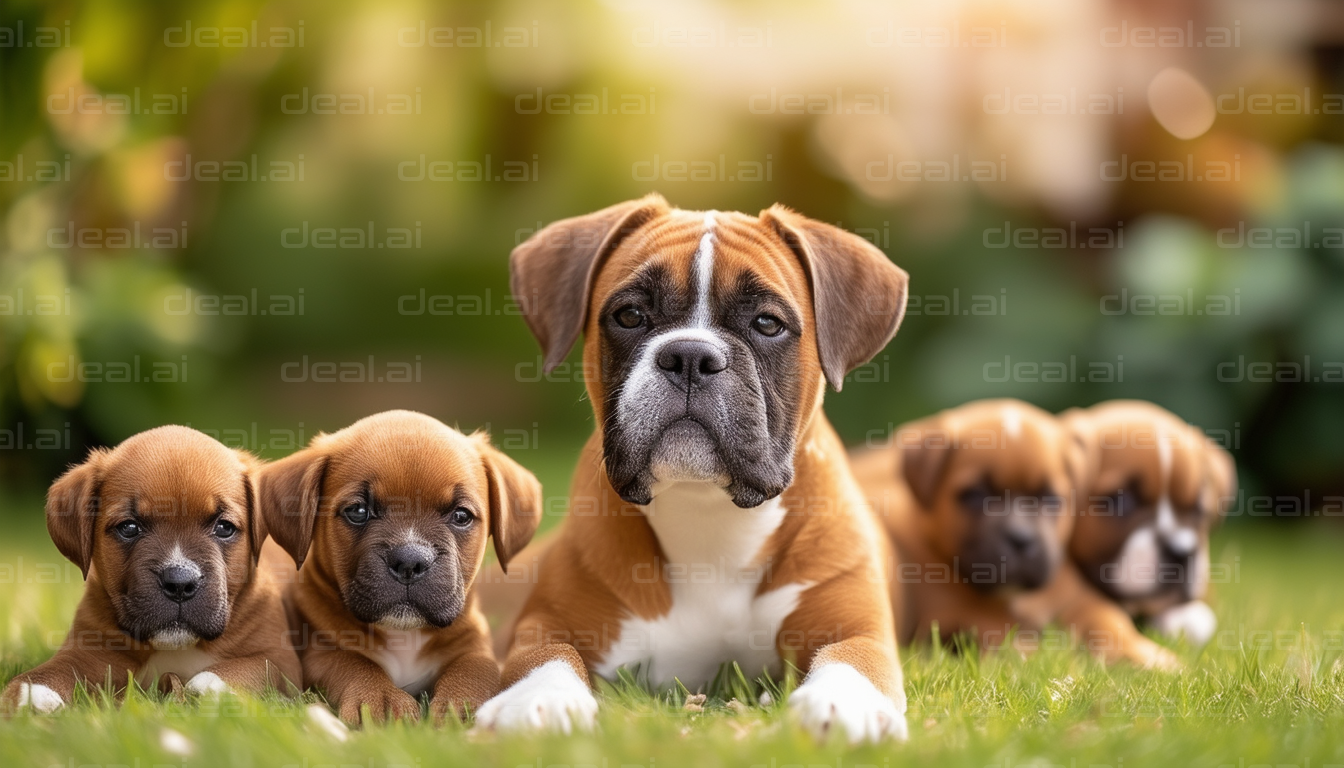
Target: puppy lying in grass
(387, 520)
(166, 530)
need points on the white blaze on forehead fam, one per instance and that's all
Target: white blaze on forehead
(702, 270)
(1012, 422)
(177, 558)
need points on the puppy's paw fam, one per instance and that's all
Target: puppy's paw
(1150, 655)
(551, 697)
(385, 702)
(207, 684)
(33, 697)
(1194, 619)
(838, 696)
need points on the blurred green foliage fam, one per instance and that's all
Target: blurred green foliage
(122, 309)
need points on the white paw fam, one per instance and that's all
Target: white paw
(551, 697)
(207, 683)
(42, 699)
(836, 695)
(1194, 619)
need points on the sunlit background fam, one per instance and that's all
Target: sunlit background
(210, 210)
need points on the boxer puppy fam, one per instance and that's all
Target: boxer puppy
(387, 520)
(979, 501)
(166, 531)
(1157, 486)
(713, 516)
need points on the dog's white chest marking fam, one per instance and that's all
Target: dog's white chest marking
(401, 658)
(186, 663)
(714, 572)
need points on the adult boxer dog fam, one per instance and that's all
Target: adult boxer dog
(713, 516)
(979, 501)
(1158, 485)
(387, 520)
(166, 531)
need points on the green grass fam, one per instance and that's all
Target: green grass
(1268, 690)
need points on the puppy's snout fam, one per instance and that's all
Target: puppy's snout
(409, 562)
(1022, 539)
(1180, 543)
(179, 583)
(688, 362)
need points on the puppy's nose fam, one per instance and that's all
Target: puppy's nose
(409, 563)
(688, 362)
(179, 584)
(1180, 542)
(1021, 538)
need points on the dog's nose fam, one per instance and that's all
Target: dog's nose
(179, 583)
(1022, 539)
(688, 362)
(409, 563)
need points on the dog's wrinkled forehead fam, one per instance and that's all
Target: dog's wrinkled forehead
(698, 259)
(174, 472)
(1011, 445)
(407, 462)
(1163, 458)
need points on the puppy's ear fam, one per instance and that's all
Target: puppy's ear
(925, 449)
(1220, 485)
(551, 275)
(515, 501)
(858, 295)
(72, 509)
(256, 521)
(290, 491)
(1082, 449)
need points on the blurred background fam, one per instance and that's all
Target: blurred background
(269, 219)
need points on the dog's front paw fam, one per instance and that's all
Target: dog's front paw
(837, 696)
(33, 697)
(551, 697)
(207, 684)
(1194, 619)
(384, 702)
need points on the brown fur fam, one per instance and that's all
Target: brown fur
(913, 486)
(178, 480)
(425, 467)
(585, 589)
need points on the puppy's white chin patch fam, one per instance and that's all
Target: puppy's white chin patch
(686, 453)
(838, 696)
(403, 618)
(174, 639)
(42, 699)
(550, 698)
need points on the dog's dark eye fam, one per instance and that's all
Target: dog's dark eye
(767, 325)
(224, 529)
(129, 530)
(629, 317)
(357, 514)
(975, 498)
(461, 518)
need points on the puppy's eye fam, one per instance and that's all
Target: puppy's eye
(129, 530)
(461, 518)
(224, 529)
(768, 325)
(628, 317)
(357, 513)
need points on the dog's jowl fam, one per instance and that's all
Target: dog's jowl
(180, 585)
(713, 516)
(388, 520)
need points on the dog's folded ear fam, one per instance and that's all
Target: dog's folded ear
(290, 492)
(925, 448)
(72, 509)
(256, 521)
(515, 501)
(858, 295)
(1220, 486)
(551, 275)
